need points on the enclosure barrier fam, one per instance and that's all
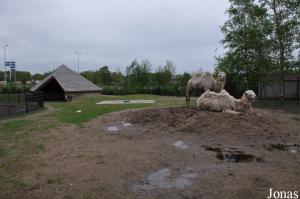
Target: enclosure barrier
(15, 104)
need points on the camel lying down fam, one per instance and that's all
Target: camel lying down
(224, 102)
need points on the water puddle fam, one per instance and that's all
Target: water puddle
(236, 157)
(163, 179)
(113, 128)
(180, 144)
(126, 124)
(232, 155)
(291, 148)
(262, 183)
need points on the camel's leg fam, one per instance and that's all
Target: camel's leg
(188, 97)
(232, 112)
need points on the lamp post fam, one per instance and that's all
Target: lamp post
(4, 60)
(78, 53)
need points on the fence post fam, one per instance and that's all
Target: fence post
(297, 89)
(259, 90)
(26, 104)
(297, 97)
(42, 99)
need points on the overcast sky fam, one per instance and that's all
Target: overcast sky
(42, 34)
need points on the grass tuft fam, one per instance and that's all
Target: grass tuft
(89, 109)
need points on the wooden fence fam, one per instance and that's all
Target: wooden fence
(271, 90)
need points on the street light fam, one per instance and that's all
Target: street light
(77, 53)
(4, 60)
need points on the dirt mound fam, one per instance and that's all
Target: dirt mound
(191, 120)
(164, 153)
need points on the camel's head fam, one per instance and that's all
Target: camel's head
(222, 76)
(250, 95)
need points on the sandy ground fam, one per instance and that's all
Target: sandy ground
(165, 153)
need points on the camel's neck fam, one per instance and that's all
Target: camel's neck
(219, 86)
(246, 103)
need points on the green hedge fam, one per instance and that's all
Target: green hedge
(14, 88)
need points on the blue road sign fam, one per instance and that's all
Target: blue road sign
(11, 64)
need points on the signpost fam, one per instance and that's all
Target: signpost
(4, 60)
(12, 66)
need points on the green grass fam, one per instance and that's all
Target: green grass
(14, 128)
(89, 109)
(14, 125)
(3, 152)
(66, 113)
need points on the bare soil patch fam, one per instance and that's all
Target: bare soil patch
(143, 159)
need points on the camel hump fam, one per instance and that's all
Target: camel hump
(205, 74)
(197, 75)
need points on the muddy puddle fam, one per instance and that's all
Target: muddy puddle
(115, 129)
(126, 124)
(291, 148)
(163, 179)
(232, 155)
(180, 144)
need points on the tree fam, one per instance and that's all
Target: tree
(138, 74)
(164, 74)
(23, 76)
(259, 38)
(48, 73)
(104, 75)
(181, 83)
(284, 17)
(1, 76)
(37, 76)
(144, 72)
(183, 79)
(247, 42)
(117, 76)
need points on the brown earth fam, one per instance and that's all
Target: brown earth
(220, 156)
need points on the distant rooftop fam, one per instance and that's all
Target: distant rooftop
(69, 81)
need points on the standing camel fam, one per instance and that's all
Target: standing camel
(203, 82)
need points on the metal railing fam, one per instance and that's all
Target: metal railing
(15, 104)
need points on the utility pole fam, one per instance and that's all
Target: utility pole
(78, 53)
(4, 60)
(92, 75)
(10, 74)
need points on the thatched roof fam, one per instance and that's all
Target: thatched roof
(69, 81)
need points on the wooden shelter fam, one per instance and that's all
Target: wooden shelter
(64, 83)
